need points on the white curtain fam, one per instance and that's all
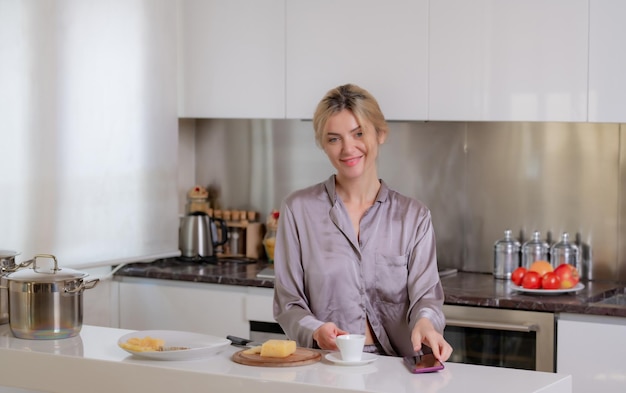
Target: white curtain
(88, 130)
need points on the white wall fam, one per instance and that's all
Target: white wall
(89, 129)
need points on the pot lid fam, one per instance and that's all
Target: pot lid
(45, 274)
(8, 253)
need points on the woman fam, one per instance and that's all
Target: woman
(353, 255)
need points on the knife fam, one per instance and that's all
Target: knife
(242, 342)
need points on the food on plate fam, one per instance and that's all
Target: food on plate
(253, 351)
(531, 280)
(143, 344)
(568, 275)
(148, 344)
(518, 275)
(278, 348)
(551, 281)
(541, 267)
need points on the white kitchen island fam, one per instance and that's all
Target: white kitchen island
(92, 362)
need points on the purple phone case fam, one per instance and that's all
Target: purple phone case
(409, 361)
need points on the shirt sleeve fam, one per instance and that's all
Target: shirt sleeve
(424, 285)
(291, 303)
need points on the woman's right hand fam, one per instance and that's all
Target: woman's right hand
(325, 336)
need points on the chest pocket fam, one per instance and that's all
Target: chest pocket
(391, 278)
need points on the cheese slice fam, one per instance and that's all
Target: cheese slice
(278, 348)
(253, 351)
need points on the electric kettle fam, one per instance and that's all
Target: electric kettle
(198, 235)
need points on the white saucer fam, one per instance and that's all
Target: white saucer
(335, 357)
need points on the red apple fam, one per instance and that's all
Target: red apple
(551, 281)
(568, 274)
(531, 280)
(518, 275)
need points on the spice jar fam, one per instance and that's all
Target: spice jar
(506, 256)
(235, 241)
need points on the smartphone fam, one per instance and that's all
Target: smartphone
(426, 363)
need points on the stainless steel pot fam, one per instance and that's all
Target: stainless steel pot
(7, 265)
(46, 303)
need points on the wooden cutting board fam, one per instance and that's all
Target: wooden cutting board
(301, 357)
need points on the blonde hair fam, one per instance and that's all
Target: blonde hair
(353, 98)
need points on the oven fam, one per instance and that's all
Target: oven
(500, 337)
(261, 331)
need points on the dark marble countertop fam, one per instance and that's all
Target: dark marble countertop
(227, 271)
(483, 290)
(462, 288)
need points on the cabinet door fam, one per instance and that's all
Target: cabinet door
(149, 304)
(607, 61)
(508, 60)
(232, 59)
(259, 305)
(379, 45)
(591, 349)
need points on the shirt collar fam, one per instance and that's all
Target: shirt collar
(382, 196)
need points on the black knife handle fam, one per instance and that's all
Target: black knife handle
(238, 340)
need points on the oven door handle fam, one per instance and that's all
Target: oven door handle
(523, 327)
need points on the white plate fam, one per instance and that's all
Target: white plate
(575, 288)
(200, 345)
(335, 357)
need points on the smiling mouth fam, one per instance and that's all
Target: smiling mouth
(351, 161)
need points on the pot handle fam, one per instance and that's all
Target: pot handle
(18, 266)
(56, 264)
(83, 285)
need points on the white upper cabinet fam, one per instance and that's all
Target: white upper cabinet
(381, 46)
(509, 60)
(607, 61)
(232, 59)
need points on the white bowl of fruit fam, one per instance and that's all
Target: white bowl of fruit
(542, 277)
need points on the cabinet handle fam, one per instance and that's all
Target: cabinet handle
(524, 327)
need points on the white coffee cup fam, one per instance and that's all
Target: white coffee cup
(351, 346)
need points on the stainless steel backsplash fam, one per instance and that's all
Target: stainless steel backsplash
(478, 179)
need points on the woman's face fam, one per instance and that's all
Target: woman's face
(351, 148)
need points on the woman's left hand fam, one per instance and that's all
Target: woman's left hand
(425, 333)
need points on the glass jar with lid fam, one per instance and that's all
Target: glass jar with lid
(506, 256)
(565, 252)
(269, 240)
(197, 200)
(535, 249)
